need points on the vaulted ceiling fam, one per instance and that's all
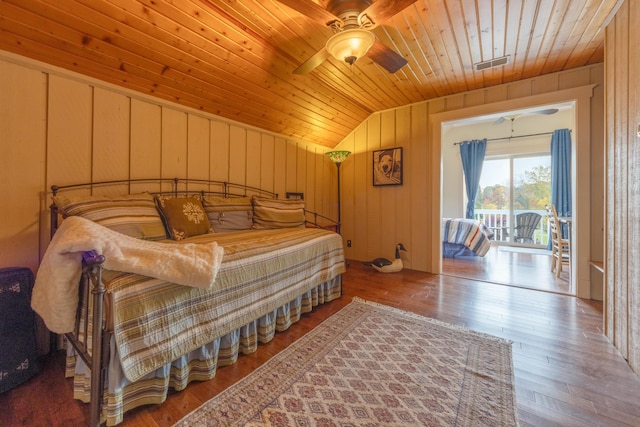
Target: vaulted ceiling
(235, 58)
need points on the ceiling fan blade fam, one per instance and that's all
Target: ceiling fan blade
(386, 57)
(547, 111)
(311, 10)
(382, 10)
(310, 64)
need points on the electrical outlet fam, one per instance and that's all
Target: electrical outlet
(348, 243)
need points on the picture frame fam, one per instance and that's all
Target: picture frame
(295, 196)
(387, 167)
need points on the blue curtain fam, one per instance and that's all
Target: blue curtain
(472, 154)
(561, 172)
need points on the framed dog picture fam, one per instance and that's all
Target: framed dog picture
(387, 167)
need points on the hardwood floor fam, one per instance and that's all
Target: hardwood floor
(566, 372)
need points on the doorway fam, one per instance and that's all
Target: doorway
(515, 179)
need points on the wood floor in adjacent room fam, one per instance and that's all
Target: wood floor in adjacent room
(517, 266)
(566, 372)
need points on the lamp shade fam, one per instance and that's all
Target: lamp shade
(351, 44)
(338, 156)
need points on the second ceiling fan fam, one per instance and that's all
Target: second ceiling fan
(512, 117)
(352, 22)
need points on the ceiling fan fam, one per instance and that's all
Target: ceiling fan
(512, 117)
(352, 22)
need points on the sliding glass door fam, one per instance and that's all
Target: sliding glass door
(513, 193)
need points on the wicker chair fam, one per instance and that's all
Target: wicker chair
(560, 248)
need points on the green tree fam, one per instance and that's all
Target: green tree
(533, 191)
(493, 197)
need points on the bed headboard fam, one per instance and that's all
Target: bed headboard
(170, 186)
(176, 187)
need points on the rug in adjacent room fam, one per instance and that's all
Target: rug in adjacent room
(373, 365)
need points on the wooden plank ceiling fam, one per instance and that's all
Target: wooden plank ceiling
(235, 58)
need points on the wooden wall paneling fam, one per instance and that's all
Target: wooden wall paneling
(219, 160)
(69, 131)
(417, 167)
(374, 219)
(402, 204)
(454, 102)
(329, 187)
(110, 144)
(290, 166)
(174, 143)
(349, 191)
(519, 89)
(621, 184)
(545, 83)
(301, 169)
(439, 105)
(198, 146)
(146, 142)
(310, 170)
(495, 94)
(253, 158)
(314, 159)
(581, 207)
(389, 196)
(267, 160)
(609, 261)
(325, 171)
(633, 219)
(433, 189)
(361, 164)
(322, 189)
(597, 171)
(22, 154)
(475, 97)
(237, 154)
(279, 166)
(573, 78)
(69, 144)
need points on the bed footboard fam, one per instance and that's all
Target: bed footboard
(90, 341)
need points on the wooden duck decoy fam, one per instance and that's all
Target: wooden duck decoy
(383, 265)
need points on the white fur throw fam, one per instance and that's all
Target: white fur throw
(55, 293)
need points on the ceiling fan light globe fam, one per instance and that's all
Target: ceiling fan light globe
(349, 45)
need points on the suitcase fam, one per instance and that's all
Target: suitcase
(18, 349)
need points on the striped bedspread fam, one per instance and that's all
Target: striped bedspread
(467, 232)
(155, 322)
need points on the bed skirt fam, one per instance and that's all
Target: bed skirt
(454, 250)
(121, 395)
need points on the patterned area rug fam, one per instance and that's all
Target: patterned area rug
(373, 365)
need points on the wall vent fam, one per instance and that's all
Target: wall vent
(479, 66)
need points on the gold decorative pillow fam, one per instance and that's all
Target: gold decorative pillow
(135, 215)
(229, 213)
(275, 213)
(183, 216)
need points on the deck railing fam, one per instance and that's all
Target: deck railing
(500, 222)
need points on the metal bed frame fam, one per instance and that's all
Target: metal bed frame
(91, 278)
